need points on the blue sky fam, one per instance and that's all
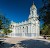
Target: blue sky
(17, 10)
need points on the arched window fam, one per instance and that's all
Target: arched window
(23, 29)
(11, 26)
(32, 12)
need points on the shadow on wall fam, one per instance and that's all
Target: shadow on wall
(34, 44)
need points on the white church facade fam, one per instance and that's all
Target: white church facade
(29, 28)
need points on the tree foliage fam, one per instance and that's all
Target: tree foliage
(6, 31)
(45, 16)
(4, 24)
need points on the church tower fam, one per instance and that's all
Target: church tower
(33, 13)
(33, 20)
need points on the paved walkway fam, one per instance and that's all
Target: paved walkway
(19, 42)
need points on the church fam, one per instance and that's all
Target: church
(29, 28)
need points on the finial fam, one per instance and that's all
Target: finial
(33, 2)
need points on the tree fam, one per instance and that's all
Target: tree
(44, 30)
(45, 16)
(0, 24)
(6, 31)
(4, 24)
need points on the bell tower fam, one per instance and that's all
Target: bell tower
(33, 13)
(34, 22)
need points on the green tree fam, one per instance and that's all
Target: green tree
(6, 31)
(4, 25)
(45, 16)
(44, 30)
(0, 24)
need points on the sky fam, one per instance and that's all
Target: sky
(18, 10)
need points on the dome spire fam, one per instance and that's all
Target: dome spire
(33, 6)
(33, 2)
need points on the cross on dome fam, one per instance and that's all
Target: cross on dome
(33, 6)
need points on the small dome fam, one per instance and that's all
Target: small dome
(33, 6)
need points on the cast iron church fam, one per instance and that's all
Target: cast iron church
(29, 28)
